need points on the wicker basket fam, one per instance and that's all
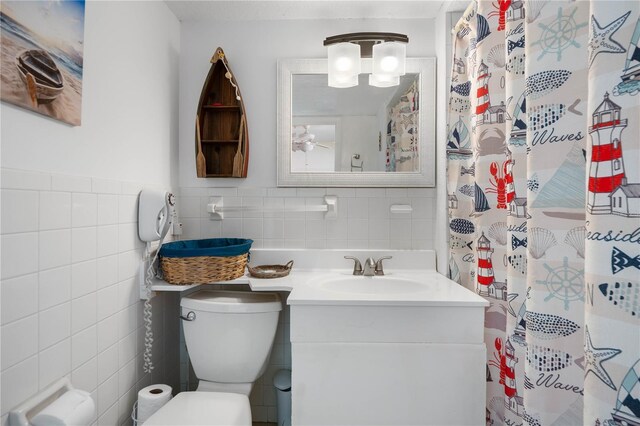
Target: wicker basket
(203, 269)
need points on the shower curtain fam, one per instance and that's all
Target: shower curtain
(543, 182)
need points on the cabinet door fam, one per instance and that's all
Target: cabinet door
(388, 384)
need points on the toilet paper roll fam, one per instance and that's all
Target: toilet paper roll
(151, 399)
(74, 407)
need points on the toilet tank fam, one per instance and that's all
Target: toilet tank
(231, 334)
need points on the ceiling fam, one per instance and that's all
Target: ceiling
(248, 10)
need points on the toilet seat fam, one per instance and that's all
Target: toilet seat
(204, 408)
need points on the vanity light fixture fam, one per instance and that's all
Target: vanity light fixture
(345, 50)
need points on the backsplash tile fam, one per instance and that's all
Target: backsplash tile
(19, 382)
(83, 244)
(107, 363)
(84, 210)
(19, 254)
(55, 325)
(23, 179)
(105, 186)
(364, 220)
(19, 297)
(107, 209)
(19, 211)
(83, 346)
(70, 304)
(54, 362)
(86, 376)
(83, 278)
(54, 287)
(55, 248)
(83, 312)
(19, 340)
(70, 183)
(55, 210)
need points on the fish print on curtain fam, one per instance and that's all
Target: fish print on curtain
(524, 77)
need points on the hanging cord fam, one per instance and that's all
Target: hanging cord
(146, 311)
(229, 76)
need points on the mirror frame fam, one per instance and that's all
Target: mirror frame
(426, 177)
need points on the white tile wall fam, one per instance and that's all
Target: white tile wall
(364, 221)
(69, 293)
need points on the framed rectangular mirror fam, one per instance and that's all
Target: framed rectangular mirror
(362, 136)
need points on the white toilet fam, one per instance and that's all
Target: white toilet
(229, 335)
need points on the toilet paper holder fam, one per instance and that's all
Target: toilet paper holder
(20, 415)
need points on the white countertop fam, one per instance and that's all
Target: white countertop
(438, 289)
(310, 265)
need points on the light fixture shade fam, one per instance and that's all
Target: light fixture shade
(389, 58)
(383, 80)
(341, 82)
(344, 64)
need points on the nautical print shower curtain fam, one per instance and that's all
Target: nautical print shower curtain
(543, 168)
(402, 133)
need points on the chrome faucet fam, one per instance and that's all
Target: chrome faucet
(371, 266)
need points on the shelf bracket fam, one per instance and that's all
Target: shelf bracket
(332, 207)
(215, 209)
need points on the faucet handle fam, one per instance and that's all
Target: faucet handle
(357, 266)
(379, 269)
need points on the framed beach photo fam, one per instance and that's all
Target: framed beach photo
(42, 53)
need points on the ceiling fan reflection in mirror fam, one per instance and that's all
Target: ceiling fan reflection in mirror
(302, 140)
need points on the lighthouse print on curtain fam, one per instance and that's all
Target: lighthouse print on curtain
(544, 204)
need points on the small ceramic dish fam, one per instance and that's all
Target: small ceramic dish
(270, 271)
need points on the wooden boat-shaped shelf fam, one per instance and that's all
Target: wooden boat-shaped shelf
(222, 138)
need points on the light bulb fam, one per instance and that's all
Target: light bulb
(389, 63)
(343, 64)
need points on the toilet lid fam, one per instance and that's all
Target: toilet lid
(204, 408)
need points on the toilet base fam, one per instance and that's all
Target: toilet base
(241, 388)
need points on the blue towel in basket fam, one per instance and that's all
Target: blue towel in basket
(221, 247)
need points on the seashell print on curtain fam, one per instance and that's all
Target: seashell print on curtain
(543, 190)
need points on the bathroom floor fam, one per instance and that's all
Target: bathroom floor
(264, 424)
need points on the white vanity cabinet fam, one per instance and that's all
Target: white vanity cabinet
(415, 362)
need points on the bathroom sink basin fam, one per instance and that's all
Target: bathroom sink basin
(370, 285)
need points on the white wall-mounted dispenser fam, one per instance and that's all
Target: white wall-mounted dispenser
(57, 405)
(155, 214)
